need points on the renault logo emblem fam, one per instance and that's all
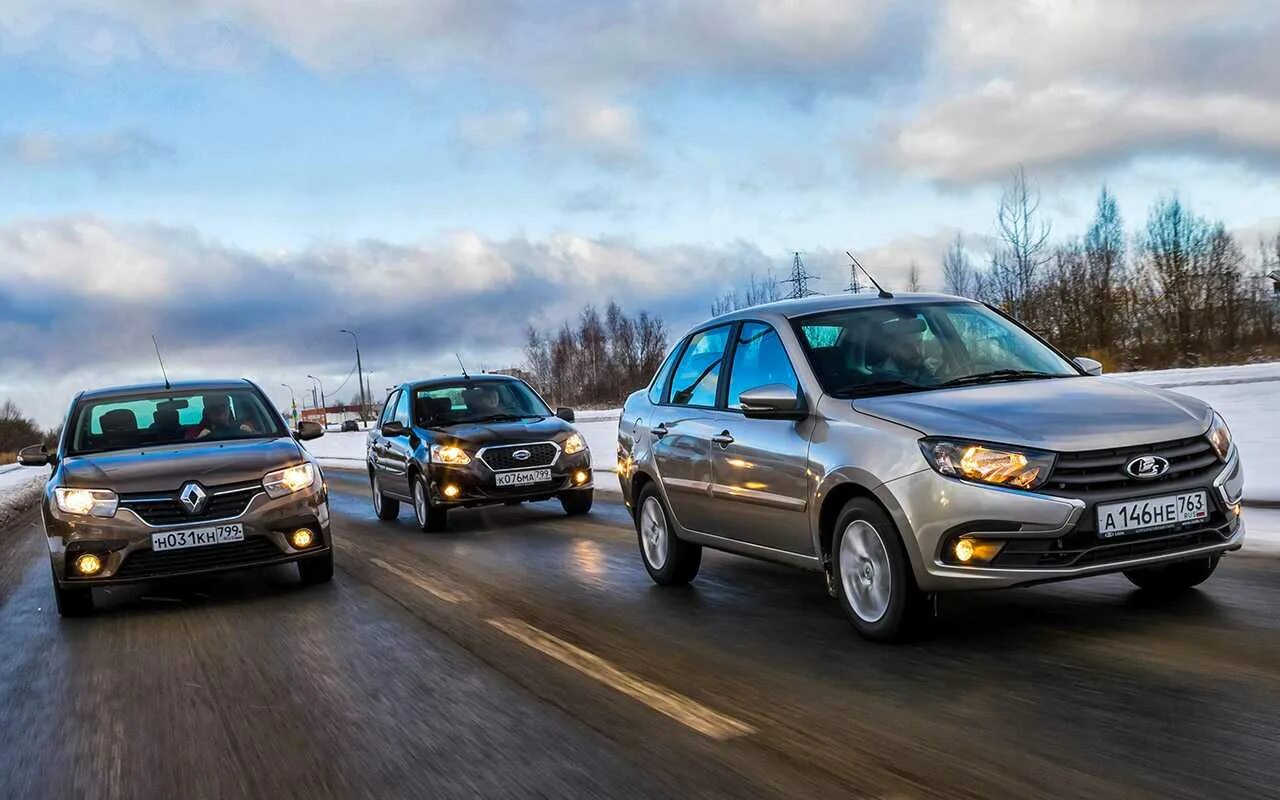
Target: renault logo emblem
(521, 455)
(193, 497)
(1146, 467)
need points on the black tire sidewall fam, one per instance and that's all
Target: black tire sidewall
(682, 558)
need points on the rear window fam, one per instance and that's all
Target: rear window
(164, 418)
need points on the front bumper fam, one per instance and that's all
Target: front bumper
(477, 484)
(1048, 538)
(123, 542)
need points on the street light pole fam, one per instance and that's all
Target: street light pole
(324, 406)
(293, 405)
(364, 401)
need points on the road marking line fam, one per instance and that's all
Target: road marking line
(425, 584)
(680, 708)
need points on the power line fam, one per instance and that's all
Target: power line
(799, 279)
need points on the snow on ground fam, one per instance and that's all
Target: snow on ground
(19, 489)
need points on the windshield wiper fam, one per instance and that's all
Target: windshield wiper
(999, 375)
(499, 418)
(878, 387)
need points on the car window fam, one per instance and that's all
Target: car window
(472, 400)
(759, 359)
(660, 380)
(169, 417)
(402, 410)
(697, 375)
(389, 409)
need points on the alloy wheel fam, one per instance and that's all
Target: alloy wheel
(653, 533)
(865, 573)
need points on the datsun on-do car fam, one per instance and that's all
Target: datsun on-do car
(471, 441)
(163, 481)
(918, 444)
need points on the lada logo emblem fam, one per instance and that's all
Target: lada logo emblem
(193, 497)
(521, 455)
(1146, 467)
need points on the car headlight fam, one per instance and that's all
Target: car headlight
(86, 502)
(449, 454)
(574, 444)
(1220, 436)
(1024, 469)
(289, 480)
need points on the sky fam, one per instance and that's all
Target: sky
(244, 178)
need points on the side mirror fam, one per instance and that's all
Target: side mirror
(34, 456)
(565, 414)
(774, 401)
(1089, 365)
(308, 430)
(394, 428)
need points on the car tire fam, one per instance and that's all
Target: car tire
(873, 580)
(387, 508)
(577, 502)
(1176, 577)
(427, 515)
(669, 560)
(316, 569)
(72, 601)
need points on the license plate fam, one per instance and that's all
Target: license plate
(524, 477)
(197, 537)
(1119, 519)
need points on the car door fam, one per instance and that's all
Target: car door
(681, 428)
(377, 442)
(760, 480)
(396, 449)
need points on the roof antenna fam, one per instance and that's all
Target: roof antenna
(464, 367)
(161, 360)
(883, 294)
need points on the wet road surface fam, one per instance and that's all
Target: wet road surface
(526, 654)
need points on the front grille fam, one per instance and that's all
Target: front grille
(150, 564)
(501, 458)
(1101, 472)
(1077, 550)
(225, 502)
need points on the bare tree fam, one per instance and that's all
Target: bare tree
(759, 289)
(913, 277)
(958, 275)
(1024, 238)
(1104, 250)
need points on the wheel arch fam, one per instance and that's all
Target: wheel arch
(838, 490)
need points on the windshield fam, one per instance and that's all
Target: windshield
(164, 418)
(476, 401)
(904, 348)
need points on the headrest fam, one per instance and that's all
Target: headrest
(119, 421)
(432, 406)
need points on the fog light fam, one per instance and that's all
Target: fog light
(971, 551)
(580, 477)
(88, 564)
(451, 490)
(302, 538)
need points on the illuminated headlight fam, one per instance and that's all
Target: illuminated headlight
(87, 502)
(574, 444)
(1024, 469)
(1220, 437)
(449, 454)
(289, 480)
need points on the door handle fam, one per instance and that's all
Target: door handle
(724, 439)
(659, 430)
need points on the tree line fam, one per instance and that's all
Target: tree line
(17, 431)
(597, 359)
(1179, 291)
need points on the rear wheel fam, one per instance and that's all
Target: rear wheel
(577, 502)
(386, 508)
(429, 516)
(316, 569)
(1176, 577)
(873, 579)
(669, 560)
(72, 601)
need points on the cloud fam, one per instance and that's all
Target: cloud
(596, 200)
(496, 129)
(101, 153)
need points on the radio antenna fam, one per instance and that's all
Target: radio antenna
(460, 364)
(161, 360)
(883, 294)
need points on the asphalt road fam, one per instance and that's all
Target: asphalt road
(525, 654)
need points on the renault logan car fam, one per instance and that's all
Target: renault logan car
(163, 481)
(470, 441)
(917, 444)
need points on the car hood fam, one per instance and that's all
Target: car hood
(481, 434)
(1064, 414)
(165, 469)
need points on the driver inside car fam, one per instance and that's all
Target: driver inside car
(217, 420)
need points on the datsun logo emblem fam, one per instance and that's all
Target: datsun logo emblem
(521, 455)
(1147, 467)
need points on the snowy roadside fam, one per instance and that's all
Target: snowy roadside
(19, 490)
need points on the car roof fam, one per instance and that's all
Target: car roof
(448, 380)
(177, 387)
(790, 309)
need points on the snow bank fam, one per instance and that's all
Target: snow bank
(19, 490)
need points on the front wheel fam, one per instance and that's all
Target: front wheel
(1176, 577)
(873, 578)
(386, 508)
(316, 569)
(72, 601)
(577, 502)
(430, 517)
(669, 560)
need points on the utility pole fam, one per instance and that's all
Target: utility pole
(364, 399)
(293, 405)
(855, 283)
(799, 279)
(324, 406)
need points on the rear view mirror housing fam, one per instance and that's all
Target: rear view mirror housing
(566, 414)
(308, 430)
(1089, 365)
(34, 456)
(394, 428)
(772, 401)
